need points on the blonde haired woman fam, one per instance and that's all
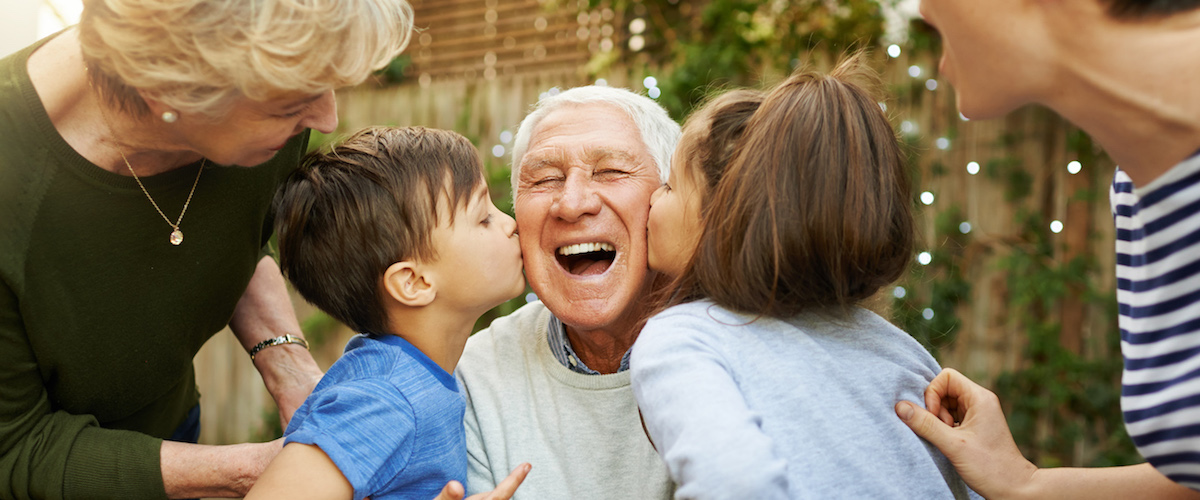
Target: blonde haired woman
(139, 153)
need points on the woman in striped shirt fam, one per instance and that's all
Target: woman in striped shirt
(1125, 71)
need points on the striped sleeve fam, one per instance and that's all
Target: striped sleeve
(1158, 294)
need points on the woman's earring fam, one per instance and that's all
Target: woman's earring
(169, 116)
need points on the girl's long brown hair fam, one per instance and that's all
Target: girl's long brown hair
(812, 210)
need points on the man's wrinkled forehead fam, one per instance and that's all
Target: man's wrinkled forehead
(561, 157)
(589, 131)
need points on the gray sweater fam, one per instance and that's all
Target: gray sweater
(580, 432)
(768, 409)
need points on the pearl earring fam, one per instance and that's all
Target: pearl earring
(169, 116)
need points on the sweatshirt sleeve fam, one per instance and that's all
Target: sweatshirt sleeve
(698, 420)
(53, 454)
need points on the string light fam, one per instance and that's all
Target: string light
(931, 84)
(1074, 167)
(972, 168)
(637, 43)
(497, 151)
(942, 143)
(964, 227)
(924, 258)
(506, 137)
(899, 292)
(650, 82)
(1056, 226)
(927, 314)
(914, 71)
(927, 198)
(893, 50)
(637, 26)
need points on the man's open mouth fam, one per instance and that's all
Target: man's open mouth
(586, 259)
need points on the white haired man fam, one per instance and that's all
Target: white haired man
(549, 383)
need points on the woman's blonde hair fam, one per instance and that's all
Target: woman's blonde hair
(198, 56)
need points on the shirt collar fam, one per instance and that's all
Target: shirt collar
(560, 346)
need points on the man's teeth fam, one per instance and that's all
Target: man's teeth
(579, 248)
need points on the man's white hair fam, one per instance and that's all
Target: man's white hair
(659, 132)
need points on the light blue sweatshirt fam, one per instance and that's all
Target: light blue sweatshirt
(763, 408)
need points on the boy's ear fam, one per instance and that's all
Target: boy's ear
(405, 283)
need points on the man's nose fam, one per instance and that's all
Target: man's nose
(578, 199)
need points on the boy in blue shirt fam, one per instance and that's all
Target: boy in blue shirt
(392, 233)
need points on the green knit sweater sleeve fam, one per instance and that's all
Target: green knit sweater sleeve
(43, 448)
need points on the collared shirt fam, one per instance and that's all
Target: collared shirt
(560, 345)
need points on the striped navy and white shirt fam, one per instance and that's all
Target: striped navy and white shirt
(1158, 290)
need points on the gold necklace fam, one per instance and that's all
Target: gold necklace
(176, 235)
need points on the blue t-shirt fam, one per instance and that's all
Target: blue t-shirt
(390, 419)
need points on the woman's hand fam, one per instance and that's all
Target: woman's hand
(970, 429)
(197, 470)
(965, 421)
(503, 491)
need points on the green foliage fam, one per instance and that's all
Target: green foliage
(939, 287)
(718, 43)
(1059, 402)
(1059, 399)
(1017, 182)
(393, 73)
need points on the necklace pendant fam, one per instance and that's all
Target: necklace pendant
(176, 237)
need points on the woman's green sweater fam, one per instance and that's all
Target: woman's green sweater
(100, 316)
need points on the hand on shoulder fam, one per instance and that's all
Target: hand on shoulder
(965, 421)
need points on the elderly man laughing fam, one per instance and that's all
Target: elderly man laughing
(549, 383)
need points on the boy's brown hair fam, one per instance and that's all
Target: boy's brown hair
(813, 210)
(345, 216)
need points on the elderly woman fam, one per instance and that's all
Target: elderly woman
(139, 153)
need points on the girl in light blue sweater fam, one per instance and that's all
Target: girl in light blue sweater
(764, 379)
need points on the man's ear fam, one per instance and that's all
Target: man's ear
(407, 284)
